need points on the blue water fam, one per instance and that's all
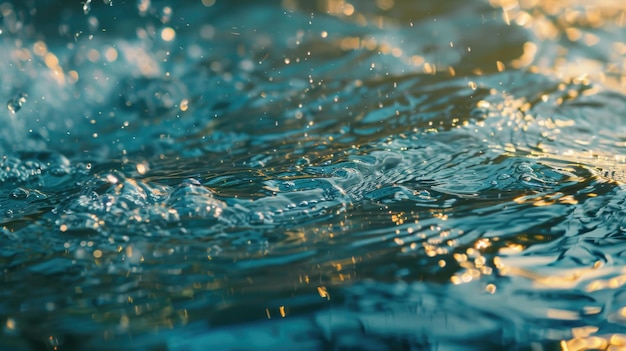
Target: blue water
(312, 175)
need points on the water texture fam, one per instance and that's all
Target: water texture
(313, 175)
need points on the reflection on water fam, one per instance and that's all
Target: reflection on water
(439, 175)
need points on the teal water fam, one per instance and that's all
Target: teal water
(312, 175)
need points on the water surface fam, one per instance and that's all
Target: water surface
(367, 175)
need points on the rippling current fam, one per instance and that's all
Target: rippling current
(313, 175)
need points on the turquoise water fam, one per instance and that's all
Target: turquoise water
(313, 175)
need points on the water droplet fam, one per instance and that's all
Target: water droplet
(168, 34)
(424, 193)
(10, 326)
(59, 171)
(303, 161)
(256, 218)
(524, 168)
(20, 193)
(399, 195)
(16, 103)
(87, 7)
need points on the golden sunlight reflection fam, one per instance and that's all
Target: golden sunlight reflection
(323, 292)
(611, 342)
(10, 324)
(388, 46)
(520, 266)
(51, 61)
(142, 168)
(571, 21)
(616, 282)
(474, 265)
(168, 34)
(521, 272)
(516, 113)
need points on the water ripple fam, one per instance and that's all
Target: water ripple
(367, 175)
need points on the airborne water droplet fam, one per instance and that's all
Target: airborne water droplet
(16, 103)
(87, 7)
(13, 106)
